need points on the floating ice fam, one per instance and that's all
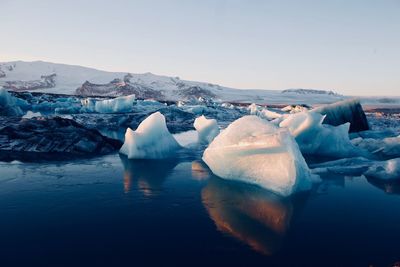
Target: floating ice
(31, 114)
(294, 109)
(186, 139)
(207, 129)
(116, 105)
(151, 140)
(227, 105)
(263, 112)
(180, 104)
(349, 166)
(88, 104)
(386, 170)
(149, 102)
(197, 109)
(255, 151)
(384, 148)
(315, 138)
(50, 138)
(345, 111)
(253, 109)
(10, 105)
(268, 114)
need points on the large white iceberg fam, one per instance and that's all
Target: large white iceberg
(207, 129)
(315, 138)
(255, 151)
(151, 140)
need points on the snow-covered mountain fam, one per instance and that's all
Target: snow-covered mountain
(68, 79)
(309, 91)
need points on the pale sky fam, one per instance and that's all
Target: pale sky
(350, 46)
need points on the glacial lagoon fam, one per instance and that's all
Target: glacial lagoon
(110, 210)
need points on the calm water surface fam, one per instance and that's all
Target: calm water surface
(111, 211)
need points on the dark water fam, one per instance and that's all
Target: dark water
(111, 211)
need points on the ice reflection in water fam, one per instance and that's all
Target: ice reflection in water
(146, 175)
(248, 213)
(200, 171)
(388, 186)
(251, 214)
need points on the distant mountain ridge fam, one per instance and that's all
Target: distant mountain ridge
(69, 79)
(310, 91)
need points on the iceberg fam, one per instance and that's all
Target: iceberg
(295, 108)
(10, 105)
(253, 109)
(197, 109)
(31, 114)
(207, 129)
(384, 148)
(264, 113)
(385, 170)
(50, 138)
(151, 140)
(345, 111)
(269, 115)
(227, 105)
(255, 151)
(88, 104)
(186, 139)
(115, 105)
(349, 166)
(315, 138)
